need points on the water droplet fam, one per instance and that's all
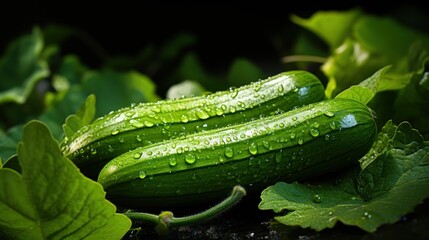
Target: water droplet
(228, 139)
(280, 88)
(137, 155)
(138, 138)
(257, 86)
(242, 135)
(316, 124)
(234, 92)
(241, 104)
(110, 148)
(142, 174)
(190, 158)
(327, 137)
(333, 125)
(314, 132)
(184, 118)
(329, 114)
(219, 111)
(136, 124)
(294, 118)
(232, 109)
(292, 135)
(266, 144)
(114, 132)
(201, 114)
(121, 140)
(317, 198)
(179, 150)
(366, 215)
(149, 153)
(156, 109)
(93, 151)
(253, 149)
(148, 123)
(300, 141)
(282, 125)
(229, 152)
(172, 162)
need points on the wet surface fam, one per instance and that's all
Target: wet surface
(245, 221)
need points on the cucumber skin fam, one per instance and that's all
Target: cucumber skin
(346, 130)
(147, 123)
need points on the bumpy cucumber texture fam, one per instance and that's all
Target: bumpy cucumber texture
(147, 123)
(305, 142)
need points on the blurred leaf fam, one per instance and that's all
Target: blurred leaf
(187, 88)
(384, 35)
(412, 104)
(9, 141)
(243, 72)
(7, 147)
(64, 105)
(349, 65)
(331, 26)
(21, 68)
(115, 90)
(51, 199)
(172, 48)
(190, 68)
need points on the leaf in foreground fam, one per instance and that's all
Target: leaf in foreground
(51, 199)
(83, 117)
(388, 188)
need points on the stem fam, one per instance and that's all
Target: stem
(166, 220)
(238, 192)
(303, 58)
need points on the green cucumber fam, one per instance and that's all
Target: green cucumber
(305, 142)
(147, 123)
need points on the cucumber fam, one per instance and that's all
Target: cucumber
(309, 141)
(147, 123)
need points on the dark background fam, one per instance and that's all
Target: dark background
(261, 32)
(223, 31)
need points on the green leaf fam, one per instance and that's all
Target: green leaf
(116, 90)
(375, 42)
(21, 68)
(191, 68)
(243, 72)
(386, 36)
(331, 26)
(7, 146)
(83, 117)
(8, 142)
(389, 187)
(365, 90)
(51, 199)
(350, 64)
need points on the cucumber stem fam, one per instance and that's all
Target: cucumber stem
(166, 220)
